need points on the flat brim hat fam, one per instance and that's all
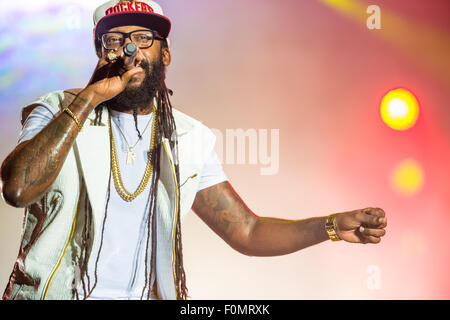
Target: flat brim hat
(144, 13)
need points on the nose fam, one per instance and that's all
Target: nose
(127, 40)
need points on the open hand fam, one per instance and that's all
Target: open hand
(361, 226)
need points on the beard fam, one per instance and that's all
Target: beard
(140, 97)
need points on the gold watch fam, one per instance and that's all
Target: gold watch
(331, 228)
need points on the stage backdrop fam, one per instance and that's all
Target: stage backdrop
(303, 81)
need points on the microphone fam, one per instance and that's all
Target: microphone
(130, 50)
(129, 53)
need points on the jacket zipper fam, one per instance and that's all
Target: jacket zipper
(176, 220)
(62, 256)
(191, 177)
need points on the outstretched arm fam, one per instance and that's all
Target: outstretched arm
(221, 208)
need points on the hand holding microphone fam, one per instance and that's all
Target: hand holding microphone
(113, 72)
(126, 59)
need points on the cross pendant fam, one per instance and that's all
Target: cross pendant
(131, 156)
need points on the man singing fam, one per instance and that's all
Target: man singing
(107, 173)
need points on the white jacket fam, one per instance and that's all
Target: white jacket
(49, 251)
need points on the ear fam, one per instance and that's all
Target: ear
(166, 56)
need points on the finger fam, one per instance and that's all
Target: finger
(370, 239)
(372, 232)
(369, 219)
(130, 73)
(103, 70)
(383, 223)
(375, 211)
(102, 62)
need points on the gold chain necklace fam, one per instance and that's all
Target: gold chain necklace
(118, 182)
(131, 155)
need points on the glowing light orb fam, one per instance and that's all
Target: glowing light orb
(407, 177)
(399, 109)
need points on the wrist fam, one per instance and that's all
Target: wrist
(331, 227)
(81, 107)
(89, 97)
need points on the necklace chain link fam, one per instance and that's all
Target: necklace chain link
(118, 182)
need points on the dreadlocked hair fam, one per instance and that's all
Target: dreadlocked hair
(165, 128)
(135, 114)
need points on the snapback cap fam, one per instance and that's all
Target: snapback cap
(117, 13)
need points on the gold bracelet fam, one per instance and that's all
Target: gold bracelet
(331, 228)
(74, 117)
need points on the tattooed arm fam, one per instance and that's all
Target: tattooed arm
(228, 216)
(32, 167)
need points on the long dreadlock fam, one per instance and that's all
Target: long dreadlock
(165, 128)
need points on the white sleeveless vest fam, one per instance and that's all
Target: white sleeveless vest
(49, 251)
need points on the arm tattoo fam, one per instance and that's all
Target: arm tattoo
(34, 165)
(224, 212)
(43, 163)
